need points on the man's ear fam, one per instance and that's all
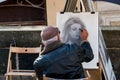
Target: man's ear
(43, 44)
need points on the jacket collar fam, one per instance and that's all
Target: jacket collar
(52, 46)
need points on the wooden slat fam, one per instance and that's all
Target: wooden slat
(25, 50)
(21, 73)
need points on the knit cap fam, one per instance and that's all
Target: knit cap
(49, 32)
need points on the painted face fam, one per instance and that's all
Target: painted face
(75, 31)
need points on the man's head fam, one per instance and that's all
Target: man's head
(49, 34)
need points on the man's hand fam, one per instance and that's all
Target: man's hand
(84, 34)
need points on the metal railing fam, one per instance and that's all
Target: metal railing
(105, 59)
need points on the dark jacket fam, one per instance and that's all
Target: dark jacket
(63, 61)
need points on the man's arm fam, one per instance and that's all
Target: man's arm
(87, 51)
(39, 64)
(85, 46)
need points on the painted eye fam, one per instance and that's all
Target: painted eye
(73, 29)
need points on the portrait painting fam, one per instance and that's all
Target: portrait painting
(72, 24)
